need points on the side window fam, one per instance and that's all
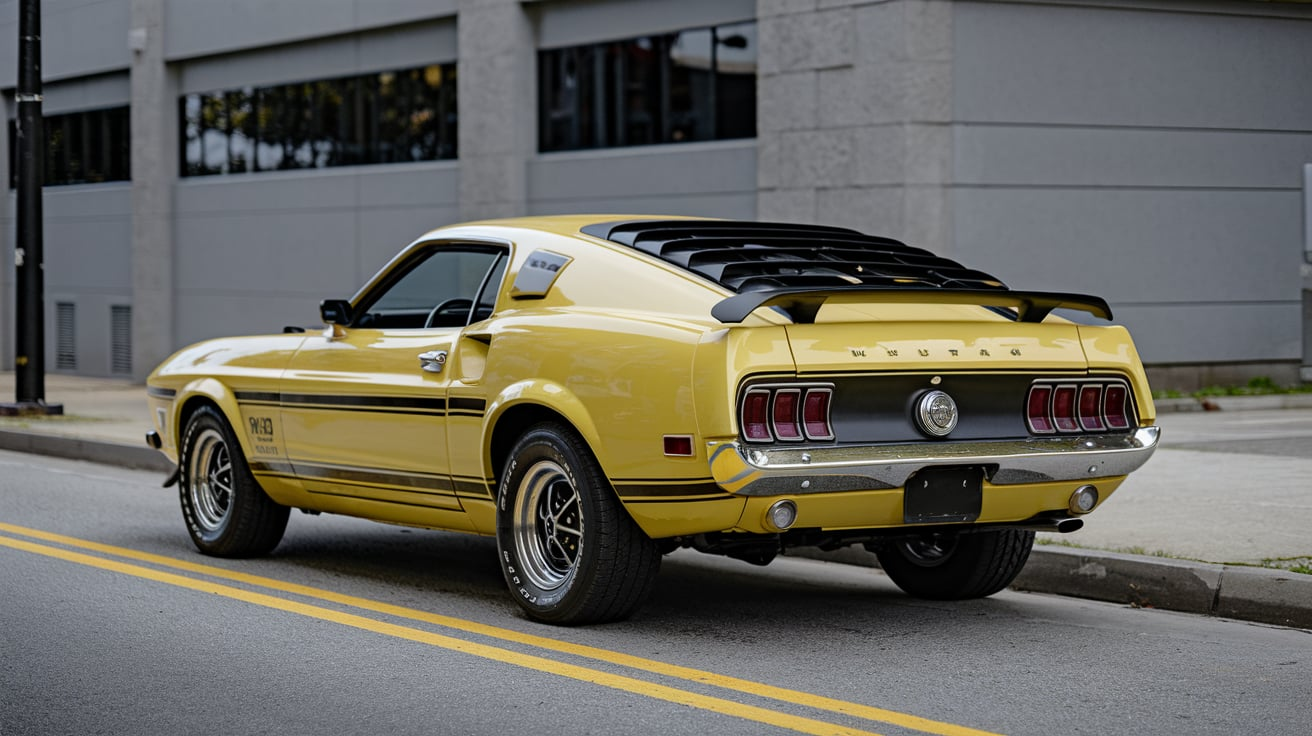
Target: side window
(436, 290)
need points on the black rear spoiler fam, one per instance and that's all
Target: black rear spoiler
(801, 305)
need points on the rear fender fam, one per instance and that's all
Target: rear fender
(543, 394)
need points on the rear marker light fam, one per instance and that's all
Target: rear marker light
(1091, 408)
(1063, 409)
(678, 445)
(787, 424)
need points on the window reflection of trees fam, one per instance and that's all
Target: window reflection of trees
(387, 117)
(694, 85)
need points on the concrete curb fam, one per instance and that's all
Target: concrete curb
(1245, 593)
(96, 451)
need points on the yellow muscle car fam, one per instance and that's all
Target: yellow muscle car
(598, 391)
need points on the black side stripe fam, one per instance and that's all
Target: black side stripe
(333, 401)
(462, 404)
(436, 484)
(472, 487)
(271, 468)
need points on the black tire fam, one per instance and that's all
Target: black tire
(227, 513)
(570, 553)
(954, 566)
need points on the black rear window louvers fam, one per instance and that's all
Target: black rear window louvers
(750, 256)
(796, 268)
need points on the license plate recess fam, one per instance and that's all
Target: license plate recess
(943, 494)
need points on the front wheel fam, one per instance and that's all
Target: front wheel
(569, 552)
(227, 513)
(956, 566)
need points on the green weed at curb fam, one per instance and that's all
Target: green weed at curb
(1257, 386)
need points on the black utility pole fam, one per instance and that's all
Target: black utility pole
(29, 259)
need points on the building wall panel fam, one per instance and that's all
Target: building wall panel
(692, 179)
(257, 252)
(1147, 154)
(203, 27)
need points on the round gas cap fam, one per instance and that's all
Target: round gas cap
(936, 413)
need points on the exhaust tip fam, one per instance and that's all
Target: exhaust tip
(1066, 526)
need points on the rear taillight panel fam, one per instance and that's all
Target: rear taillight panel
(1080, 406)
(793, 412)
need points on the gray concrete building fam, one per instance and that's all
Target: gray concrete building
(222, 165)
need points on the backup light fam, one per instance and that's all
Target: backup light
(1083, 500)
(781, 515)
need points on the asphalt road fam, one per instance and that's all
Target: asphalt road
(111, 623)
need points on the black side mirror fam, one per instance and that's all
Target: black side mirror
(335, 311)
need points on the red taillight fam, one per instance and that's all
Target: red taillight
(1063, 409)
(1091, 408)
(787, 424)
(815, 414)
(756, 416)
(1036, 410)
(1114, 407)
(1096, 405)
(786, 413)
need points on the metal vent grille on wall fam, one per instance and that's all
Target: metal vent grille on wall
(65, 336)
(120, 339)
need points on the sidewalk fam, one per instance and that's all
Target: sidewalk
(1226, 490)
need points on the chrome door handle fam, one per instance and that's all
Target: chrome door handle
(433, 360)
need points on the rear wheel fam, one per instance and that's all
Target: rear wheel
(569, 552)
(954, 566)
(227, 513)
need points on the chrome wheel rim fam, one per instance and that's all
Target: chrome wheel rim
(930, 550)
(209, 480)
(548, 526)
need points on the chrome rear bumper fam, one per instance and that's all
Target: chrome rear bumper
(768, 471)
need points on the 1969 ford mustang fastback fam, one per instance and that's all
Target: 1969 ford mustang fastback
(598, 391)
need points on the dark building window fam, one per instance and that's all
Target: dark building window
(381, 118)
(87, 147)
(694, 85)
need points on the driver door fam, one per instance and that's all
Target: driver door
(364, 407)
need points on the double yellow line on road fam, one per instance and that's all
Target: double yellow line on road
(657, 691)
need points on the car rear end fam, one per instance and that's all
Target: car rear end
(900, 424)
(858, 390)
